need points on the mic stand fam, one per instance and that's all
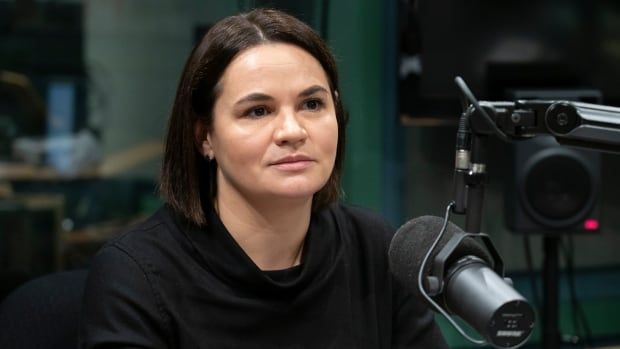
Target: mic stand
(476, 179)
(551, 334)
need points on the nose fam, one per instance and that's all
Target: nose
(290, 130)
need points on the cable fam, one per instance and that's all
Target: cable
(581, 312)
(530, 270)
(572, 296)
(579, 317)
(421, 287)
(472, 99)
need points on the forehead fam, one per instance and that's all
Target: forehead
(272, 65)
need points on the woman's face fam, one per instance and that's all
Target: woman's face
(274, 132)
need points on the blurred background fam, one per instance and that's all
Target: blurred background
(86, 88)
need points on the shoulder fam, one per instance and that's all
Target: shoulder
(156, 231)
(134, 259)
(148, 246)
(363, 223)
(129, 250)
(121, 291)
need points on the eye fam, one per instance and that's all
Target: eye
(313, 104)
(256, 112)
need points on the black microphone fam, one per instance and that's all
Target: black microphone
(461, 164)
(468, 286)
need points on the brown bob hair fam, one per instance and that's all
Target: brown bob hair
(187, 180)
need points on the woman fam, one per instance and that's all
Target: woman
(252, 249)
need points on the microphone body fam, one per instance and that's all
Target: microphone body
(468, 287)
(488, 303)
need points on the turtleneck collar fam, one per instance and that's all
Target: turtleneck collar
(217, 251)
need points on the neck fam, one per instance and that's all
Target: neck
(270, 233)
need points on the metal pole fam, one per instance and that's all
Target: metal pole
(551, 333)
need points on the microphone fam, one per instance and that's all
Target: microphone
(458, 278)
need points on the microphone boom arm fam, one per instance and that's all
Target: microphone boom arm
(585, 125)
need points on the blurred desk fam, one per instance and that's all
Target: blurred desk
(89, 206)
(430, 121)
(112, 165)
(78, 246)
(20, 171)
(93, 234)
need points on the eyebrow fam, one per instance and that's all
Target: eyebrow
(312, 90)
(261, 97)
(255, 97)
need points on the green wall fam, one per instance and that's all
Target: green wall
(355, 36)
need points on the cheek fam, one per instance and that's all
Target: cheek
(334, 134)
(236, 147)
(328, 137)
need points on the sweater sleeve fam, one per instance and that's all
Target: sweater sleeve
(414, 324)
(120, 305)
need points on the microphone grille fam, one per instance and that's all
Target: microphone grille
(413, 240)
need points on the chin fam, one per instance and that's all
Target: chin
(301, 187)
(298, 192)
(301, 195)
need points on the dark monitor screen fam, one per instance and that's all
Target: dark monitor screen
(503, 46)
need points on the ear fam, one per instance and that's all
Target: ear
(203, 140)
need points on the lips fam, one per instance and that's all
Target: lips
(293, 162)
(292, 158)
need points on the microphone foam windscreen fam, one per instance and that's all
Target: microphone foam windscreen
(413, 240)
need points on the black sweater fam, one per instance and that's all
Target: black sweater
(164, 284)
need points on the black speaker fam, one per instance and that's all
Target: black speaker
(552, 189)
